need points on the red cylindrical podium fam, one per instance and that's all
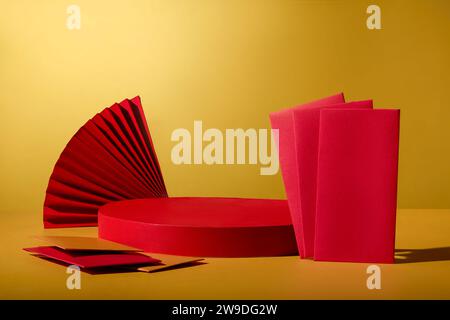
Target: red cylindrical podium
(213, 227)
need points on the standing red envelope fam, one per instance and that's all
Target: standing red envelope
(357, 185)
(284, 122)
(306, 133)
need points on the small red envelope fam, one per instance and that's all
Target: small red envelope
(91, 259)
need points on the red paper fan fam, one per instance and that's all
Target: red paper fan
(110, 158)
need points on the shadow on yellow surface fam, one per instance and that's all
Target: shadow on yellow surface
(422, 255)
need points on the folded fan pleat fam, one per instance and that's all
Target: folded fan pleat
(110, 158)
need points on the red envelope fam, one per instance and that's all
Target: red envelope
(284, 122)
(306, 132)
(357, 185)
(93, 260)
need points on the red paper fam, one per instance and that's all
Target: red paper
(357, 185)
(284, 122)
(306, 141)
(110, 158)
(218, 227)
(93, 260)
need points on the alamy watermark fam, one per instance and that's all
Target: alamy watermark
(374, 279)
(73, 21)
(74, 280)
(234, 146)
(373, 21)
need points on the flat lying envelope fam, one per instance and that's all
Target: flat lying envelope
(92, 259)
(89, 245)
(84, 243)
(284, 122)
(306, 141)
(357, 185)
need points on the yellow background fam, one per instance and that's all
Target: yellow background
(228, 63)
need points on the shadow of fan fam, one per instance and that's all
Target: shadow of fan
(422, 255)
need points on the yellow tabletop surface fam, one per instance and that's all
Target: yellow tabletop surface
(425, 274)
